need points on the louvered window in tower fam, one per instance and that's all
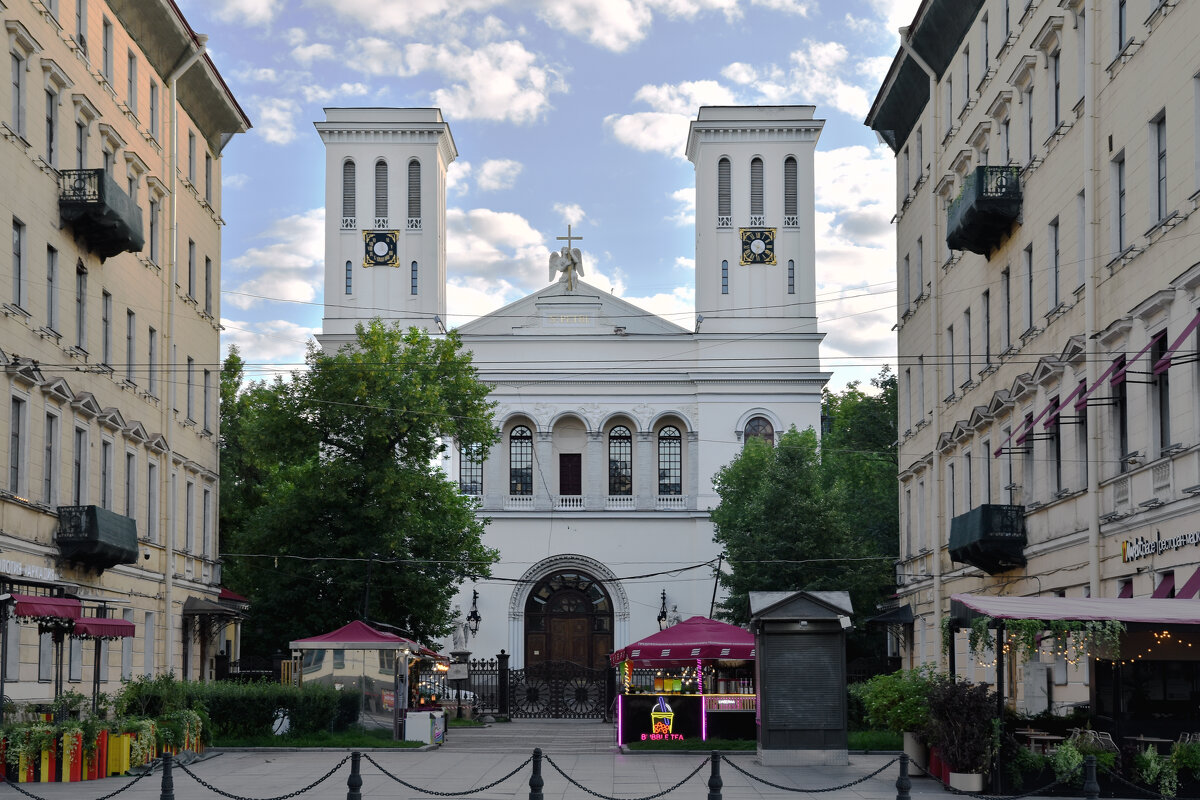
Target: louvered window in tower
(791, 217)
(724, 204)
(381, 194)
(756, 193)
(348, 184)
(414, 195)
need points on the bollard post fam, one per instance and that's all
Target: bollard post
(168, 780)
(1091, 786)
(903, 782)
(714, 779)
(354, 782)
(535, 780)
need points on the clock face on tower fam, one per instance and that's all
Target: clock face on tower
(758, 245)
(379, 249)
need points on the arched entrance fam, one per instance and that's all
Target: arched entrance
(568, 618)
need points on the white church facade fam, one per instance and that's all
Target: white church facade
(613, 421)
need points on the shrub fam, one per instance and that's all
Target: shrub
(314, 709)
(1185, 757)
(962, 723)
(1153, 769)
(897, 702)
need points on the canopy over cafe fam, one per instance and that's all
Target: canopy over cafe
(1147, 685)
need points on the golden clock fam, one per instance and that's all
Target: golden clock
(758, 245)
(379, 249)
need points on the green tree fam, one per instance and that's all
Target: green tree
(333, 482)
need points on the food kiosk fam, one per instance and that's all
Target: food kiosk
(694, 680)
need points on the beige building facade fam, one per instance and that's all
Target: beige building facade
(113, 121)
(1048, 178)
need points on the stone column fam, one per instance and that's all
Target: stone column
(545, 471)
(692, 456)
(595, 487)
(645, 473)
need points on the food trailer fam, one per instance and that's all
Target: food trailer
(694, 680)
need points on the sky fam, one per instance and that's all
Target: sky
(563, 112)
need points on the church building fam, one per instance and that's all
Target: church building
(614, 421)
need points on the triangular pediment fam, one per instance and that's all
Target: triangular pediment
(802, 605)
(136, 431)
(59, 389)
(554, 311)
(157, 443)
(960, 431)
(85, 403)
(1074, 351)
(1001, 400)
(980, 416)
(24, 370)
(1047, 369)
(1022, 385)
(111, 418)
(944, 442)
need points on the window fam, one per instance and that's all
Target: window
(905, 284)
(81, 24)
(908, 406)
(1054, 264)
(967, 346)
(414, 278)
(79, 467)
(1119, 201)
(51, 127)
(791, 276)
(1160, 391)
(790, 206)
(1122, 24)
(520, 461)
(920, 543)
(1081, 244)
(1027, 266)
(105, 328)
(724, 194)
(206, 522)
(207, 397)
(984, 45)
(908, 523)
(131, 66)
(154, 234)
(905, 175)
(1056, 90)
(950, 361)
(130, 484)
(670, 461)
(106, 44)
(16, 447)
(81, 137)
(759, 428)
(921, 386)
(51, 288)
(45, 656)
(620, 462)
(191, 382)
(756, 192)
(130, 344)
(153, 111)
(152, 361)
(127, 648)
(18, 93)
(106, 474)
(1029, 137)
(349, 277)
(1120, 409)
(1055, 447)
(1006, 140)
(1081, 438)
(724, 277)
(920, 154)
(381, 193)
(987, 471)
(208, 178)
(414, 193)
(150, 635)
(968, 479)
(74, 660)
(348, 194)
(18, 262)
(208, 285)
(949, 104)
(951, 490)
(152, 501)
(50, 461)
(966, 76)
(191, 156)
(1159, 130)
(920, 267)
(1005, 309)
(191, 275)
(470, 470)
(986, 304)
(189, 517)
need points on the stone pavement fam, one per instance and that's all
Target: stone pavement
(471, 758)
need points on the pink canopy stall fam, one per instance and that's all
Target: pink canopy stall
(694, 679)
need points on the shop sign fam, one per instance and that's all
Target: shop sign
(1142, 547)
(18, 570)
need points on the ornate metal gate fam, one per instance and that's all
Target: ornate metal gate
(559, 689)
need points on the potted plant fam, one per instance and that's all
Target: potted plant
(963, 726)
(1155, 770)
(899, 702)
(1185, 758)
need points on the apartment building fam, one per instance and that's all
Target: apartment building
(113, 124)
(1047, 182)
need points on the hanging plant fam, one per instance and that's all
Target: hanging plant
(1024, 636)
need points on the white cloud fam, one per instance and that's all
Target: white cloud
(295, 36)
(276, 120)
(571, 213)
(321, 94)
(250, 12)
(798, 7)
(260, 74)
(495, 249)
(611, 24)
(740, 72)
(308, 53)
(235, 180)
(684, 98)
(289, 268)
(651, 131)
(683, 262)
(815, 70)
(497, 173)
(456, 177)
(470, 298)
(875, 69)
(685, 206)
(275, 341)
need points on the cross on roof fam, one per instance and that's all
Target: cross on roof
(569, 238)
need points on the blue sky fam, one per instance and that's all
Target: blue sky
(563, 111)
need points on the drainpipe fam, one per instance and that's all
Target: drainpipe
(188, 59)
(938, 509)
(1091, 283)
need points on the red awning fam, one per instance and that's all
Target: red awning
(102, 628)
(1164, 363)
(357, 635)
(1126, 591)
(1061, 405)
(32, 607)
(697, 637)
(1189, 589)
(1163, 590)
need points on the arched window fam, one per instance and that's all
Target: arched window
(790, 214)
(520, 461)
(756, 192)
(724, 201)
(759, 428)
(414, 195)
(381, 193)
(470, 470)
(349, 277)
(724, 277)
(348, 190)
(791, 276)
(414, 277)
(620, 461)
(670, 461)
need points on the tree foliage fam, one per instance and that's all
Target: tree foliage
(815, 514)
(330, 475)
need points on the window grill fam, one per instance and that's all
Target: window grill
(756, 188)
(790, 211)
(724, 195)
(348, 193)
(414, 194)
(381, 192)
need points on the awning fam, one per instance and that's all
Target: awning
(197, 606)
(1062, 404)
(1164, 363)
(1190, 587)
(357, 635)
(102, 628)
(1165, 586)
(900, 615)
(694, 638)
(46, 608)
(1153, 611)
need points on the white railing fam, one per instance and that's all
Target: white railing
(568, 502)
(349, 223)
(724, 220)
(620, 502)
(1121, 493)
(758, 219)
(381, 223)
(791, 221)
(519, 502)
(671, 502)
(1161, 477)
(414, 223)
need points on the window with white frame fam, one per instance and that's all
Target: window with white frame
(106, 474)
(207, 397)
(153, 109)
(1027, 270)
(724, 193)
(1158, 147)
(1119, 233)
(791, 277)
(349, 278)
(131, 82)
(1054, 277)
(152, 490)
(206, 532)
(81, 25)
(191, 270)
(18, 264)
(790, 193)
(189, 517)
(105, 328)
(208, 285)
(106, 44)
(1055, 90)
(470, 470)
(130, 345)
(18, 439)
(415, 274)
(520, 461)
(79, 467)
(51, 127)
(17, 118)
(152, 362)
(50, 459)
(724, 277)
(349, 194)
(191, 157)
(670, 461)
(1030, 141)
(414, 194)
(155, 235)
(131, 484)
(51, 288)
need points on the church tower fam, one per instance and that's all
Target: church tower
(755, 252)
(385, 218)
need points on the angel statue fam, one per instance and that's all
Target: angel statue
(568, 261)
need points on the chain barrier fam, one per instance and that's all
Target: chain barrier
(476, 790)
(807, 791)
(1148, 792)
(312, 785)
(17, 786)
(578, 785)
(1034, 793)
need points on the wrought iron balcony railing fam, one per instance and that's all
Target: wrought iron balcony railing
(984, 211)
(991, 537)
(103, 215)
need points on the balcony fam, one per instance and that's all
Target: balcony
(990, 537)
(985, 209)
(98, 210)
(95, 537)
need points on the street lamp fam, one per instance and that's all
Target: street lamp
(473, 619)
(662, 612)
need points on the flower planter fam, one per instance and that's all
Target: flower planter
(27, 769)
(918, 755)
(118, 753)
(72, 762)
(966, 781)
(96, 762)
(48, 772)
